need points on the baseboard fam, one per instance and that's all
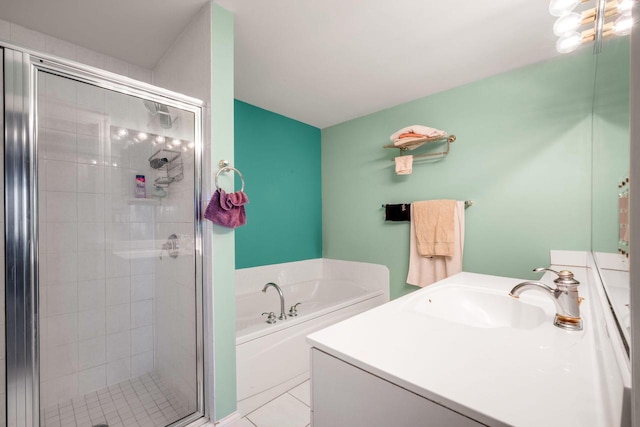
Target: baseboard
(202, 422)
(229, 420)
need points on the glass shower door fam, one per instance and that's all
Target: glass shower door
(3, 395)
(118, 272)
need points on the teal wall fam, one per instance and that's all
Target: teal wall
(610, 140)
(280, 161)
(224, 301)
(523, 154)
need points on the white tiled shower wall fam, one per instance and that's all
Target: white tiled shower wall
(96, 302)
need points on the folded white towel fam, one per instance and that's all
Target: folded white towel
(404, 165)
(419, 129)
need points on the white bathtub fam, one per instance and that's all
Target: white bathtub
(271, 358)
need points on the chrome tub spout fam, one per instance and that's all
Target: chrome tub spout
(283, 315)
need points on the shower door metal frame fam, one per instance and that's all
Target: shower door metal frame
(21, 279)
(21, 221)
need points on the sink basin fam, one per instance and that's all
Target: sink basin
(479, 308)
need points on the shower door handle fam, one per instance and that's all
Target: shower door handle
(172, 247)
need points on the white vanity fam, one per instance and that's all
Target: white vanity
(463, 353)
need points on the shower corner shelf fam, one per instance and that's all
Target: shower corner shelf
(171, 165)
(449, 139)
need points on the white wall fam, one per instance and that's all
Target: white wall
(186, 66)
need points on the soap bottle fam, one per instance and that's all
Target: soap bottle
(141, 187)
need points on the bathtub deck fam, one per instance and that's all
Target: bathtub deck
(290, 409)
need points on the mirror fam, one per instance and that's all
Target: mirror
(609, 233)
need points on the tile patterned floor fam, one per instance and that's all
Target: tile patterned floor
(291, 409)
(145, 401)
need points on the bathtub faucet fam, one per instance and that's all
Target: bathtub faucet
(283, 315)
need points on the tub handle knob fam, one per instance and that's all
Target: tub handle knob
(293, 311)
(271, 317)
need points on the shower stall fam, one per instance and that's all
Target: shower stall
(103, 248)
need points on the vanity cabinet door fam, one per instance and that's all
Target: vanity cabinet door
(345, 396)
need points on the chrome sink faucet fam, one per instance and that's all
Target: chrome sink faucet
(565, 297)
(283, 315)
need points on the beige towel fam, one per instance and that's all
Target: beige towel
(424, 271)
(434, 226)
(404, 165)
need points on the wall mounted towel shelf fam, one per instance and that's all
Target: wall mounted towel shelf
(415, 143)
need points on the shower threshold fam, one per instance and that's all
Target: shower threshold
(144, 401)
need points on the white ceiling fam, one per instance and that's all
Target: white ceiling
(319, 61)
(327, 61)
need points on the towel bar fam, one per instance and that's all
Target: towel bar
(467, 204)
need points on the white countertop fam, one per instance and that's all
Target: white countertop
(542, 376)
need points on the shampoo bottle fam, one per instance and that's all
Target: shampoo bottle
(141, 187)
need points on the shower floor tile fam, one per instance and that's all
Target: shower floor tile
(145, 401)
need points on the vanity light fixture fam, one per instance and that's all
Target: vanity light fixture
(607, 18)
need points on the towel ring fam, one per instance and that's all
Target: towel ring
(227, 169)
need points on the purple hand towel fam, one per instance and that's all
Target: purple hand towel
(227, 210)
